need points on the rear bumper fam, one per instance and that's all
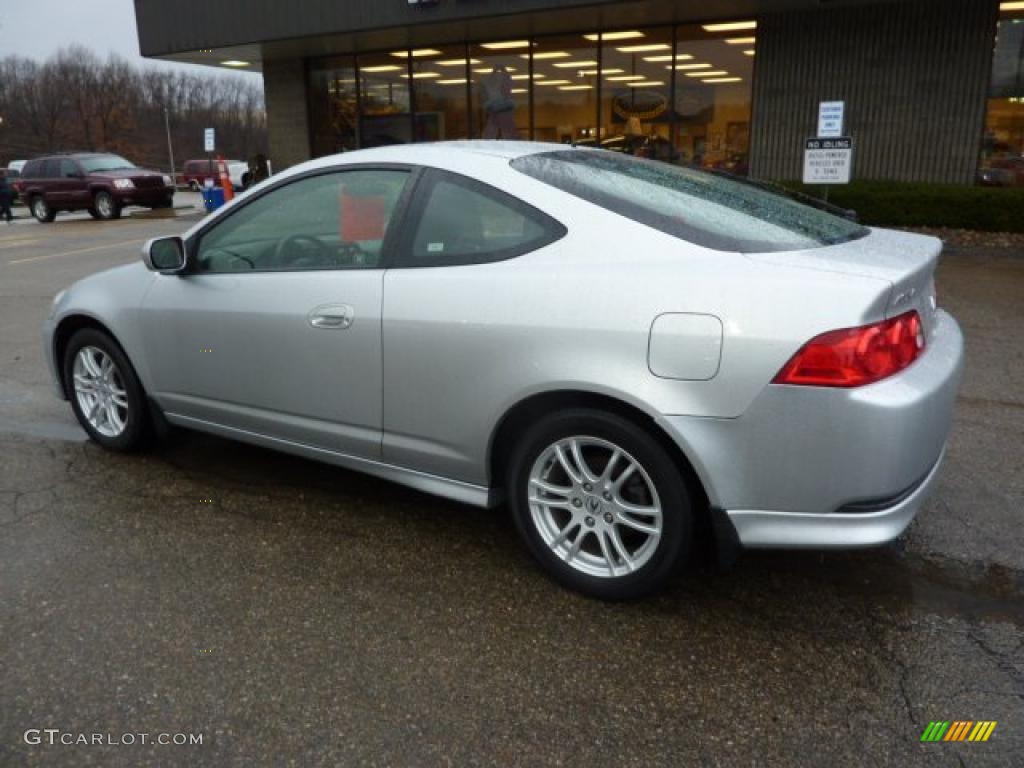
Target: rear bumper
(814, 466)
(835, 530)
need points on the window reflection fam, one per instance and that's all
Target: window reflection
(439, 94)
(565, 73)
(333, 106)
(499, 74)
(712, 97)
(636, 75)
(384, 88)
(1002, 147)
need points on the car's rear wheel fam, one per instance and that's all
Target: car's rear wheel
(105, 393)
(600, 503)
(42, 211)
(106, 206)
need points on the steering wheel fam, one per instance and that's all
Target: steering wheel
(322, 255)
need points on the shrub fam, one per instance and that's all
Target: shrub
(895, 204)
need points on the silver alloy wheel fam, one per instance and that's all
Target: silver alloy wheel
(104, 205)
(100, 391)
(39, 208)
(595, 506)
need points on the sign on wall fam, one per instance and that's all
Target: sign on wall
(209, 140)
(828, 161)
(830, 119)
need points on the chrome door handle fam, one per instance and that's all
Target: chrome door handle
(331, 316)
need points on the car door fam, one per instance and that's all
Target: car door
(73, 188)
(454, 305)
(274, 329)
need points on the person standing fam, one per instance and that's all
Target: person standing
(499, 106)
(6, 197)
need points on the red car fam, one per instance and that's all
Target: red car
(196, 172)
(99, 183)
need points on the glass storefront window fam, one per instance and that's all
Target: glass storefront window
(439, 94)
(384, 94)
(636, 98)
(565, 71)
(499, 74)
(334, 113)
(713, 69)
(680, 94)
(1002, 147)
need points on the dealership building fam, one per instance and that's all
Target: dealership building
(931, 90)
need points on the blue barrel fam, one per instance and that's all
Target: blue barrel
(213, 198)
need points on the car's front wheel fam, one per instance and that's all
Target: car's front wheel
(105, 393)
(600, 503)
(42, 211)
(106, 206)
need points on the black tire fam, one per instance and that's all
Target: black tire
(106, 207)
(673, 546)
(94, 213)
(41, 210)
(138, 425)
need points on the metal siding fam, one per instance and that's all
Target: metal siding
(914, 77)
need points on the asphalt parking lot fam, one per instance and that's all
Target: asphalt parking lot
(299, 614)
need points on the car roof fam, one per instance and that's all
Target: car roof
(422, 152)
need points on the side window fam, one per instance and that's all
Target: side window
(68, 169)
(332, 221)
(50, 169)
(466, 222)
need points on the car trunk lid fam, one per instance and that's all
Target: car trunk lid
(905, 260)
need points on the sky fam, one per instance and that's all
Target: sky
(39, 28)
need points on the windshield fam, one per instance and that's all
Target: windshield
(707, 209)
(104, 163)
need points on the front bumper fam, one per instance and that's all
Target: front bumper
(804, 466)
(149, 196)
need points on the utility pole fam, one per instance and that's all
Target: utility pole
(170, 147)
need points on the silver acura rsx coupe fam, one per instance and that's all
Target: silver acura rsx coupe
(634, 357)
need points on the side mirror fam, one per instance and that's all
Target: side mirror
(164, 254)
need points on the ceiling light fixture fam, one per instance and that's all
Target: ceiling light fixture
(505, 44)
(574, 64)
(668, 57)
(722, 80)
(629, 35)
(730, 26)
(712, 73)
(235, 63)
(740, 40)
(546, 55)
(644, 48)
(381, 68)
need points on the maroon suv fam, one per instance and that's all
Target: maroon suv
(101, 184)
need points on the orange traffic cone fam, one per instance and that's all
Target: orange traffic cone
(225, 179)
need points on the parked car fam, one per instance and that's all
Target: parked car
(196, 172)
(624, 351)
(1006, 171)
(16, 165)
(100, 183)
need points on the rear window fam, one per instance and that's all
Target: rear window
(710, 210)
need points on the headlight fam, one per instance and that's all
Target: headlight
(123, 184)
(168, 181)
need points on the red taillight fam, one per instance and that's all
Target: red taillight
(853, 357)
